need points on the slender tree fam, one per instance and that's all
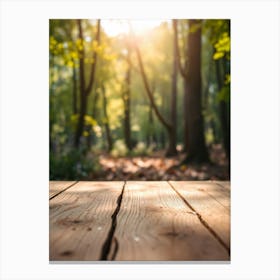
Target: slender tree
(126, 98)
(106, 122)
(75, 89)
(183, 69)
(172, 146)
(84, 89)
(171, 150)
(224, 107)
(69, 33)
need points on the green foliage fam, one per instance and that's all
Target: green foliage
(73, 165)
(110, 78)
(224, 93)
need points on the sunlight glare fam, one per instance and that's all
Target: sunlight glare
(117, 27)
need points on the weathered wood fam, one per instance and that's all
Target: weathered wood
(215, 190)
(211, 203)
(225, 184)
(56, 187)
(80, 220)
(154, 223)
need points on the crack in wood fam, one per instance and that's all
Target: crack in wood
(116, 248)
(63, 190)
(204, 223)
(106, 248)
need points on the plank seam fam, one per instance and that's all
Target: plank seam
(216, 200)
(63, 190)
(106, 248)
(220, 185)
(203, 222)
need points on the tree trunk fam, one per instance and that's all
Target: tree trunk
(186, 115)
(166, 124)
(171, 151)
(149, 92)
(84, 90)
(106, 124)
(183, 71)
(197, 151)
(226, 116)
(126, 100)
(83, 95)
(75, 89)
(224, 111)
(152, 138)
(94, 115)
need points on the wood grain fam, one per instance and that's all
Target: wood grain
(80, 219)
(211, 202)
(56, 187)
(225, 184)
(213, 189)
(154, 223)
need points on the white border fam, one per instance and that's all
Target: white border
(24, 138)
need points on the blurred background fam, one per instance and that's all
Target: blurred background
(139, 99)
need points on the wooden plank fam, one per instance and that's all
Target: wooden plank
(154, 223)
(215, 190)
(211, 210)
(80, 219)
(56, 187)
(225, 184)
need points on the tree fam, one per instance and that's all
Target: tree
(219, 37)
(127, 96)
(84, 89)
(223, 79)
(197, 151)
(169, 126)
(191, 72)
(172, 138)
(63, 88)
(183, 68)
(106, 119)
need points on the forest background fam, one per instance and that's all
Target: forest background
(145, 100)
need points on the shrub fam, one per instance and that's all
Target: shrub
(72, 165)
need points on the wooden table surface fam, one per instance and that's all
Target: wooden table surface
(139, 221)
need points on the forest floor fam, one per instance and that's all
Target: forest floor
(159, 167)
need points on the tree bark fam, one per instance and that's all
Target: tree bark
(83, 96)
(94, 114)
(152, 137)
(171, 151)
(106, 124)
(183, 69)
(186, 115)
(75, 89)
(84, 90)
(224, 111)
(168, 126)
(94, 56)
(197, 151)
(126, 100)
